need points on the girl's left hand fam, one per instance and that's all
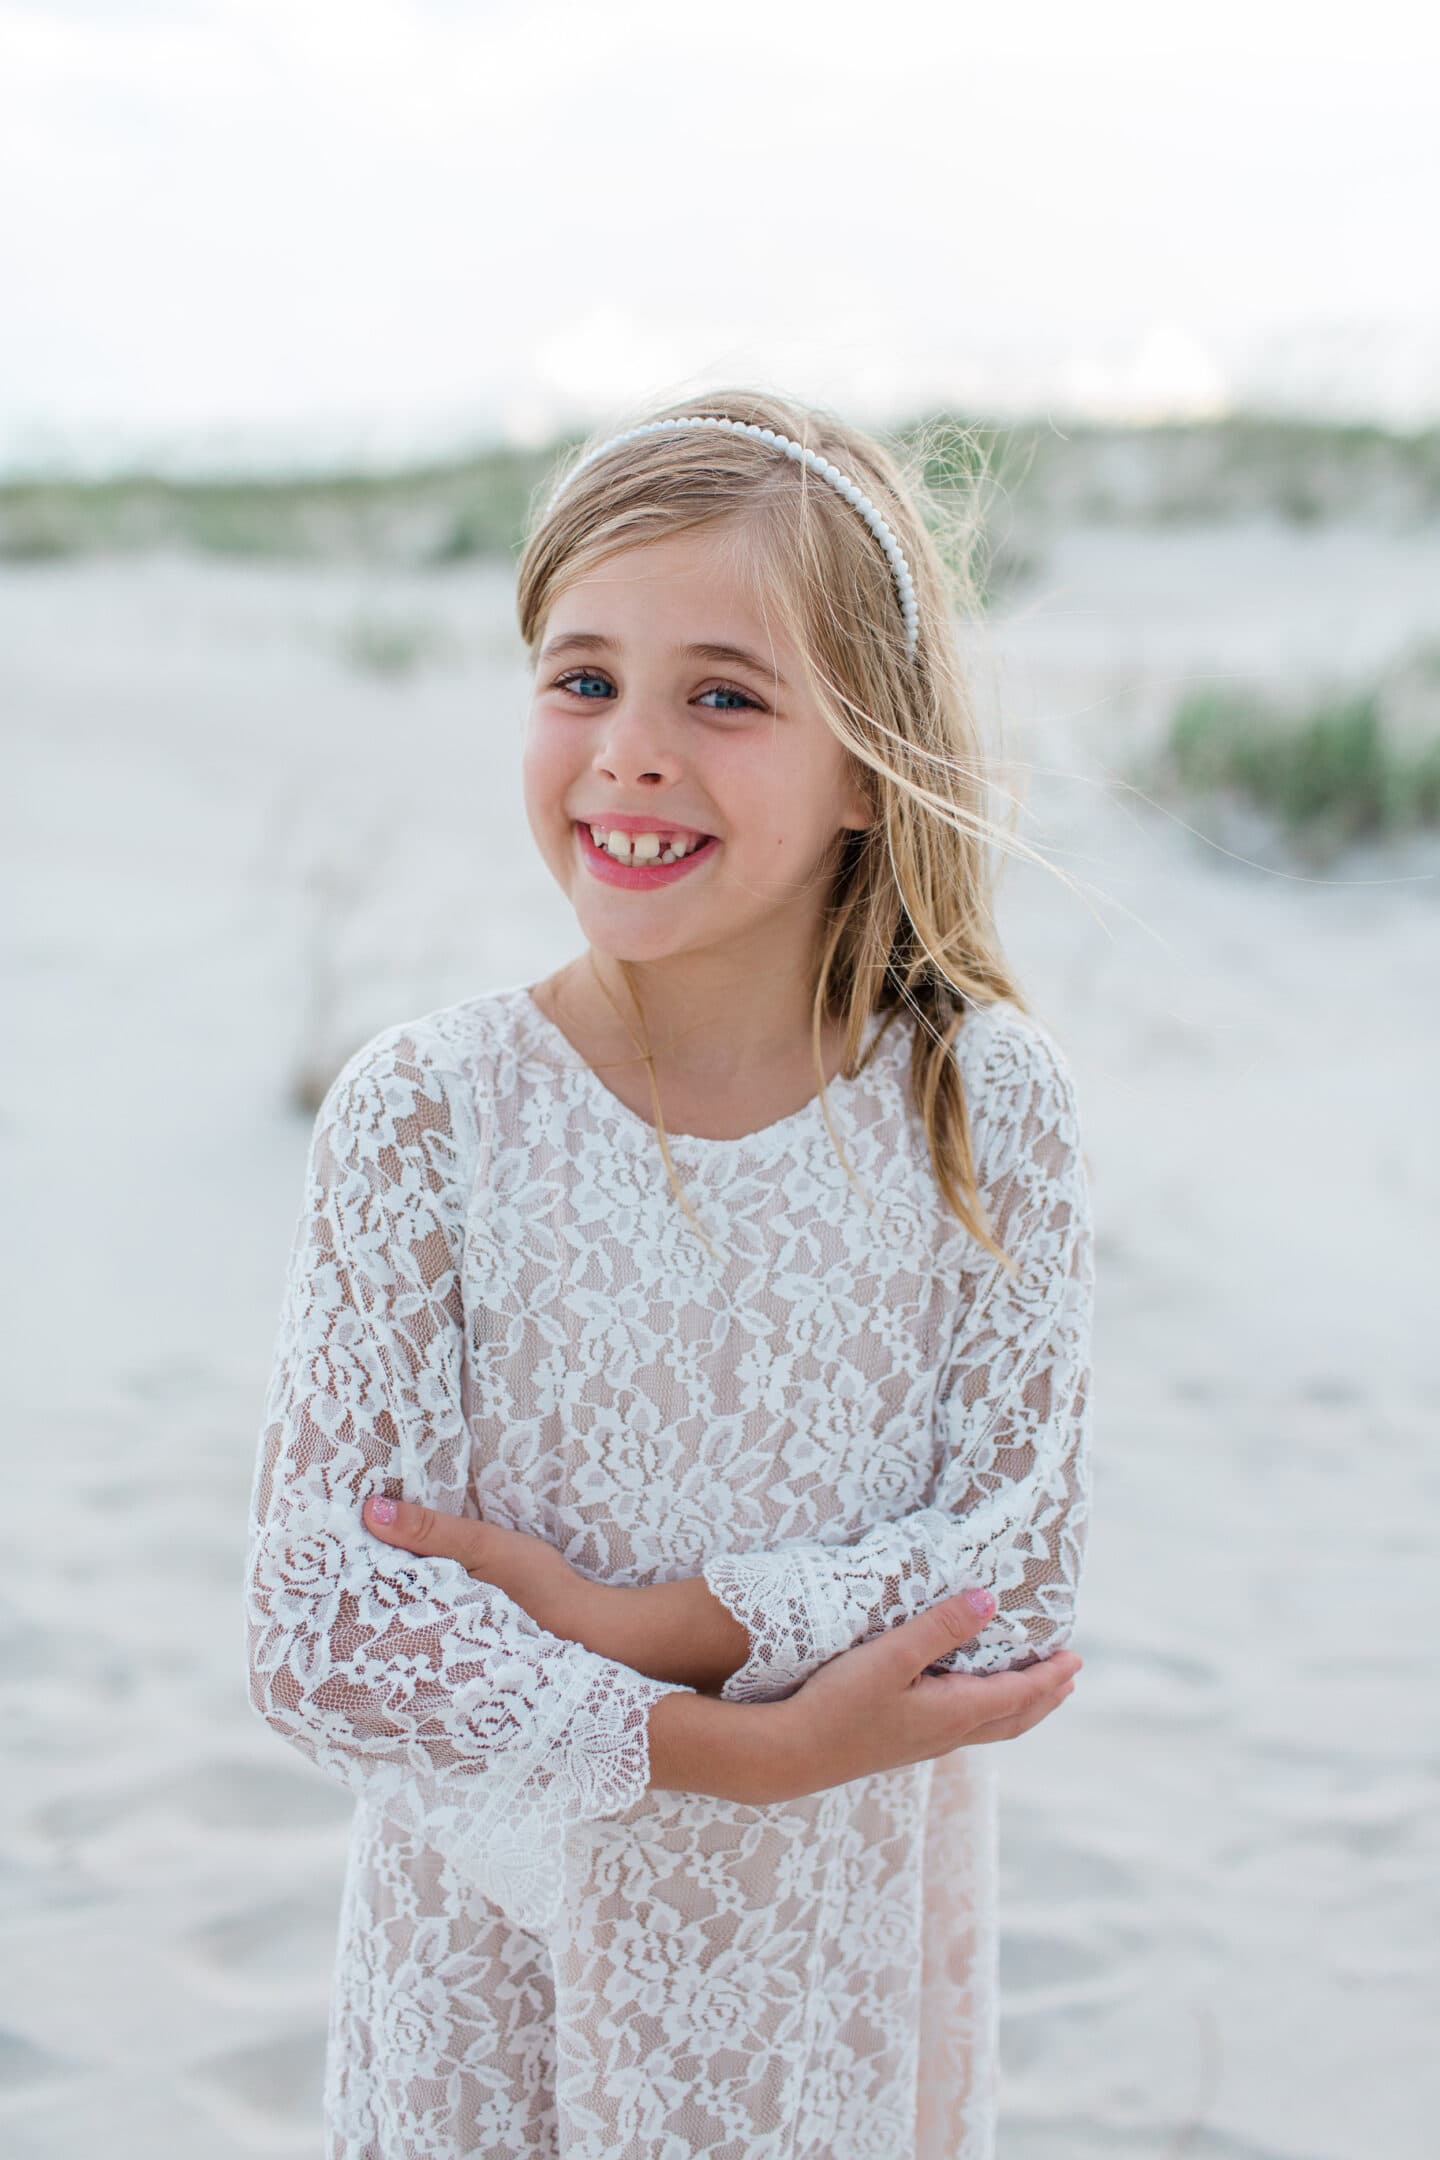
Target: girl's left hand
(529, 1571)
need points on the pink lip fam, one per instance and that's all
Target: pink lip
(638, 877)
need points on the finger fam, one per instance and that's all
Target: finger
(1010, 1728)
(1018, 1680)
(927, 1636)
(981, 1700)
(1035, 1716)
(419, 1529)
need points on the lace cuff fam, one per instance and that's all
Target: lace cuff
(506, 1836)
(774, 1595)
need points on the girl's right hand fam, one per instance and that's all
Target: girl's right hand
(875, 1707)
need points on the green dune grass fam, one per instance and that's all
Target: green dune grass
(474, 505)
(1351, 764)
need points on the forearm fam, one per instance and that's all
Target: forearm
(668, 1630)
(750, 1752)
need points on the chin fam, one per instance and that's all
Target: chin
(632, 946)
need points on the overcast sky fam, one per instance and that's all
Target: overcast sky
(234, 229)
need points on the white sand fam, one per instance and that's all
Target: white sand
(1221, 1857)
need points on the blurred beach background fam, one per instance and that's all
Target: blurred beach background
(303, 305)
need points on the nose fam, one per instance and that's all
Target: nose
(635, 747)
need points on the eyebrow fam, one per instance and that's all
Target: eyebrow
(592, 641)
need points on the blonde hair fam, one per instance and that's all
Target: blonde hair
(910, 923)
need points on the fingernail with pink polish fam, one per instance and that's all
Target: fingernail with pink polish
(383, 1510)
(981, 1602)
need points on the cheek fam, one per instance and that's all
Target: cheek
(545, 769)
(770, 805)
(547, 781)
(753, 784)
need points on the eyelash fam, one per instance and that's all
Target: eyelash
(562, 682)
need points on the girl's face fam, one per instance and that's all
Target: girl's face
(638, 724)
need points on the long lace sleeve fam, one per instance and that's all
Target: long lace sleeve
(400, 1676)
(1011, 1495)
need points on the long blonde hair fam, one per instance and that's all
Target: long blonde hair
(910, 923)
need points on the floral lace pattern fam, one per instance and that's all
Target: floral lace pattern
(416, 1685)
(1012, 1496)
(495, 1304)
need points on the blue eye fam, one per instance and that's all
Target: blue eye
(726, 690)
(722, 690)
(565, 682)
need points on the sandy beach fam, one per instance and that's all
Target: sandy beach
(233, 853)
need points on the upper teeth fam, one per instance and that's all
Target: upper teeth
(644, 847)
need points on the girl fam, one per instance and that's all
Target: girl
(680, 1357)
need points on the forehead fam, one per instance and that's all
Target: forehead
(702, 591)
(713, 566)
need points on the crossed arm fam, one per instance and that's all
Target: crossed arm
(1009, 1509)
(487, 1722)
(676, 1631)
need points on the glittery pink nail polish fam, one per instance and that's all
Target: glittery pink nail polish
(383, 1510)
(981, 1602)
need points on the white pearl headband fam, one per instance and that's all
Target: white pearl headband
(853, 494)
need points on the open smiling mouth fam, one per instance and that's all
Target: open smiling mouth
(650, 860)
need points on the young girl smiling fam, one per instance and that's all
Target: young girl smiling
(675, 1466)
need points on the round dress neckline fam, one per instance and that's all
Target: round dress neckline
(809, 1114)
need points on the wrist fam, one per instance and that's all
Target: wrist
(789, 1758)
(749, 1752)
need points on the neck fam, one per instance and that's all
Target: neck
(706, 1018)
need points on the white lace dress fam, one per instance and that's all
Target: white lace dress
(495, 1303)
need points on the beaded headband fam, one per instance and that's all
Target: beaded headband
(853, 494)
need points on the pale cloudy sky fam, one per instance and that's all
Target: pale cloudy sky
(236, 229)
